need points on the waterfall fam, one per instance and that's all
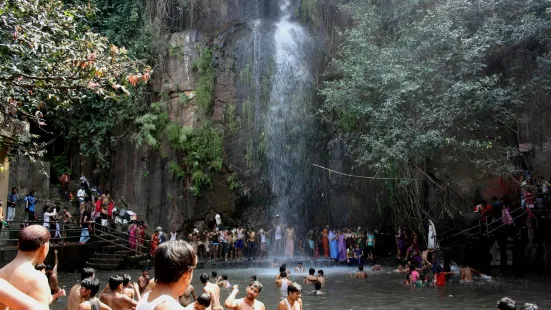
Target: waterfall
(289, 123)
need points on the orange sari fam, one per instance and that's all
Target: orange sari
(154, 243)
(325, 243)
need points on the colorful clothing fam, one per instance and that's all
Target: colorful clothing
(325, 241)
(154, 243)
(341, 245)
(333, 247)
(132, 238)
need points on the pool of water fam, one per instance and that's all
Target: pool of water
(382, 290)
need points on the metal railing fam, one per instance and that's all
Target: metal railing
(101, 231)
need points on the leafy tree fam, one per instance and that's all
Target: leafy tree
(51, 62)
(423, 85)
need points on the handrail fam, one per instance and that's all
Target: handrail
(117, 237)
(118, 244)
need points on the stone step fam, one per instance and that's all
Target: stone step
(103, 260)
(109, 255)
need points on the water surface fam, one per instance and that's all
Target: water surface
(382, 290)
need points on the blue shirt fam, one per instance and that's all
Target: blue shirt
(32, 201)
(12, 198)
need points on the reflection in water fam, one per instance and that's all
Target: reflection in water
(382, 290)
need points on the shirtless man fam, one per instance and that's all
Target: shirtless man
(143, 280)
(33, 247)
(317, 291)
(310, 278)
(89, 287)
(74, 298)
(213, 290)
(15, 299)
(116, 299)
(247, 303)
(51, 274)
(467, 273)
(202, 303)
(185, 300)
(360, 274)
(293, 301)
(321, 278)
(299, 268)
(130, 288)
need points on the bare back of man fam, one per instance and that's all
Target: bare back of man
(28, 280)
(188, 297)
(310, 279)
(117, 301)
(360, 275)
(74, 299)
(214, 291)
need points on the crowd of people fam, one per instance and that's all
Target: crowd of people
(26, 283)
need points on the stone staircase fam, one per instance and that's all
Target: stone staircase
(114, 253)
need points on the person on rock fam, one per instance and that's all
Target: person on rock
(89, 287)
(33, 247)
(174, 264)
(74, 299)
(239, 243)
(293, 301)
(248, 302)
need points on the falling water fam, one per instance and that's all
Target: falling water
(289, 124)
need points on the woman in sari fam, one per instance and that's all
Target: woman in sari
(333, 247)
(341, 246)
(325, 241)
(132, 236)
(155, 242)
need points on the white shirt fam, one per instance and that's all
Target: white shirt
(47, 216)
(81, 193)
(173, 236)
(218, 219)
(144, 304)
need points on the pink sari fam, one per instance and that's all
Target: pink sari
(132, 238)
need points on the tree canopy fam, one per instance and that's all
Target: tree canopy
(425, 81)
(51, 62)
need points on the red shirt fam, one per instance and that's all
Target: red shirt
(441, 279)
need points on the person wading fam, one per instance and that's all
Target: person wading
(33, 247)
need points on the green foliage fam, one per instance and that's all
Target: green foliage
(53, 65)
(152, 124)
(437, 80)
(183, 98)
(60, 164)
(204, 94)
(233, 181)
(231, 118)
(311, 12)
(199, 149)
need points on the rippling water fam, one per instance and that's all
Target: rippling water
(382, 290)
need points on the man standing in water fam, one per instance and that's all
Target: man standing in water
(213, 290)
(174, 264)
(186, 299)
(33, 247)
(143, 280)
(74, 299)
(89, 287)
(293, 301)
(247, 303)
(289, 241)
(117, 299)
(278, 241)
